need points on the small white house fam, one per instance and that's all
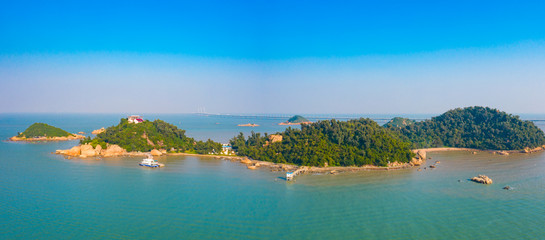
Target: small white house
(135, 119)
(226, 149)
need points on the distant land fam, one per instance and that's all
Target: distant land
(45, 132)
(296, 120)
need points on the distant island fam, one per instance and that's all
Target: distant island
(248, 125)
(296, 120)
(157, 137)
(45, 132)
(472, 127)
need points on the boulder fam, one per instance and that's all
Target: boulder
(114, 150)
(482, 179)
(246, 161)
(275, 138)
(87, 151)
(74, 152)
(98, 150)
(156, 152)
(98, 131)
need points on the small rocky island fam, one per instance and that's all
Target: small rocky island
(296, 120)
(45, 132)
(248, 125)
(137, 137)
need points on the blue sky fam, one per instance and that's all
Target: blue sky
(271, 56)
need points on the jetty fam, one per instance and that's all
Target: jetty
(291, 175)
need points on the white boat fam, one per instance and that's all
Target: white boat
(150, 162)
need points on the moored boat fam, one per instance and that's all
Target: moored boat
(150, 162)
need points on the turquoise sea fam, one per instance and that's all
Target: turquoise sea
(45, 196)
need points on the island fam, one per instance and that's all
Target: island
(45, 132)
(326, 143)
(330, 146)
(248, 125)
(479, 128)
(136, 137)
(296, 120)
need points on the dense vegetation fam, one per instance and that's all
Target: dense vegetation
(474, 127)
(399, 122)
(297, 119)
(148, 135)
(43, 130)
(350, 143)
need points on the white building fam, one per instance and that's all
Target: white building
(135, 119)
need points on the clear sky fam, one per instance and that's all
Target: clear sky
(271, 56)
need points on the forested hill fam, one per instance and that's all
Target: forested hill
(148, 135)
(337, 143)
(474, 127)
(43, 130)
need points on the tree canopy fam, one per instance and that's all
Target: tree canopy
(473, 127)
(148, 135)
(337, 143)
(297, 119)
(43, 130)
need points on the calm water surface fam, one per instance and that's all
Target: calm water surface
(46, 196)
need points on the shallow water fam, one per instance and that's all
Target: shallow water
(47, 196)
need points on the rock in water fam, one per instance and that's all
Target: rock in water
(156, 152)
(482, 179)
(507, 188)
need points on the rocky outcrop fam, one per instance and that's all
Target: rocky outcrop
(419, 159)
(113, 150)
(482, 179)
(87, 151)
(156, 152)
(34, 139)
(98, 131)
(73, 152)
(246, 161)
(275, 138)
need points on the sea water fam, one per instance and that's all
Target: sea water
(46, 196)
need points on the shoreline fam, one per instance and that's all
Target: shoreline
(252, 164)
(51, 139)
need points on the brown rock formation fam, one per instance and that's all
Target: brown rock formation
(87, 150)
(482, 179)
(113, 150)
(98, 131)
(156, 152)
(275, 138)
(73, 152)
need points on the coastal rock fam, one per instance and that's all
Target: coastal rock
(503, 153)
(114, 150)
(156, 152)
(419, 158)
(507, 188)
(482, 179)
(87, 150)
(74, 152)
(246, 161)
(98, 150)
(98, 131)
(163, 151)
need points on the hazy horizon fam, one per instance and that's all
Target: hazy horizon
(262, 57)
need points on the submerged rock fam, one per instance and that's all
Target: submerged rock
(507, 188)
